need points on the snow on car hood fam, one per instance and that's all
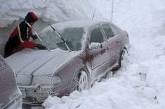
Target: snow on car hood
(39, 62)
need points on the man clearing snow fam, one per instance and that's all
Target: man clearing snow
(22, 36)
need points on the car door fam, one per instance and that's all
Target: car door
(114, 42)
(97, 48)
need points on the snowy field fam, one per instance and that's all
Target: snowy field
(140, 83)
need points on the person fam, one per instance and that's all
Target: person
(22, 36)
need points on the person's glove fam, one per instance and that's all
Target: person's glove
(41, 47)
(28, 44)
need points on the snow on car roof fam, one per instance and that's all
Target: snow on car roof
(80, 23)
(76, 23)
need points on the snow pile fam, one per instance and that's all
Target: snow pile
(139, 84)
(12, 10)
(112, 94)
(54, 10)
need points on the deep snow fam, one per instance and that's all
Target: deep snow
(139, 84)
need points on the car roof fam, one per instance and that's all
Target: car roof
(78, 23)
(86, 24)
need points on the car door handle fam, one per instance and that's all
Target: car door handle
(101, 45)
(118, 42)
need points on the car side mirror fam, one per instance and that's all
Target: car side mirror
(95, 45)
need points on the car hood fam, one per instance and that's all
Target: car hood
(39, 62)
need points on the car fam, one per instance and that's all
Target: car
(78, 54)
(10, 95)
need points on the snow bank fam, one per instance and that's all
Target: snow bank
(54, 10)
(112, 94)
(12, 10)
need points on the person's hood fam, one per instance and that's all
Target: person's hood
(39, 62)
(31, 17)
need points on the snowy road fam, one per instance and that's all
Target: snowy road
(139, 84)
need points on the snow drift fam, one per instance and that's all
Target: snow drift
(54, 10)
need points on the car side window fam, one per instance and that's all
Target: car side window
(96, 35)
(108, 30)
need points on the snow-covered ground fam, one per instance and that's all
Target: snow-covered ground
(139, 84)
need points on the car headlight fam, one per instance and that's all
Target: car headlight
(55, 79)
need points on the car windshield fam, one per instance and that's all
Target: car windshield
(72, 37)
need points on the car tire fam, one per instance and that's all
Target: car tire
(83, 80)
(122, 53)
(118, 65)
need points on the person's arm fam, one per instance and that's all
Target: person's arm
(32, 35)
(30, 43)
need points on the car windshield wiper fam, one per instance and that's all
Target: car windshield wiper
(59, 36)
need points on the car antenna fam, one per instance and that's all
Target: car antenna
(112, 10)
(59, 35)
(93, 14)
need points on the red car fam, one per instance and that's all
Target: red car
(79, 53)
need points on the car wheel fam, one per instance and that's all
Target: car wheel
(83, 80)
(122, 53)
